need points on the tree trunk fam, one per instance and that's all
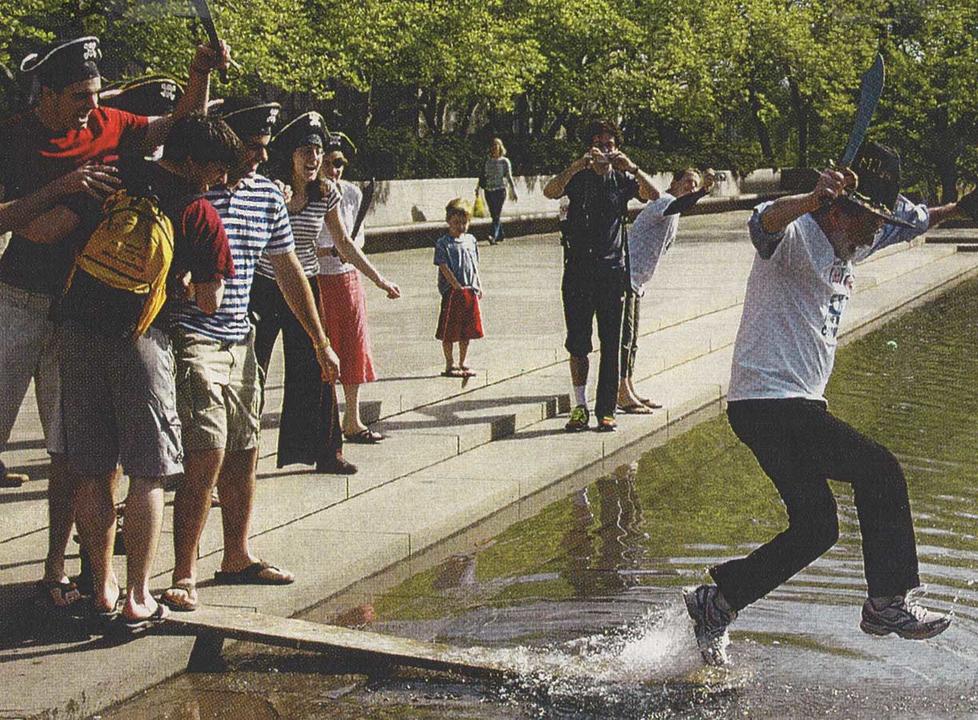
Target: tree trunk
(763, 134)
(799, 106)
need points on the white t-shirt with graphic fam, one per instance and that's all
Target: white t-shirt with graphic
(652, 233)
(785, 346)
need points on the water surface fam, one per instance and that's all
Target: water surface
(583, 598)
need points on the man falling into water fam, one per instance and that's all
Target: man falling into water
(798, 288)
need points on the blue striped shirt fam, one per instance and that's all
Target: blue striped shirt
(256, 220)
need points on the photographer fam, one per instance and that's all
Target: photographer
(594, 278)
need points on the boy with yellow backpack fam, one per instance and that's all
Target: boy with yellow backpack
(117, 368)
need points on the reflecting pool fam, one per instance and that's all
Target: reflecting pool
(583, 598)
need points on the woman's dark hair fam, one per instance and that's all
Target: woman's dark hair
(203, 139)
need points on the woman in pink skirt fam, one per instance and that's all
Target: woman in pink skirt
(342, 303)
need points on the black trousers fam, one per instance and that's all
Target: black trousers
(309, 431)
(591, 291)
(629, 332)
(495, 199)
(799, 444)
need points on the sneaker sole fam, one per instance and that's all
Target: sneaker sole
(882, 630)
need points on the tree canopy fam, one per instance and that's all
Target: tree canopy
(734, 83)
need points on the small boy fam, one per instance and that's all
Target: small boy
(457, 258)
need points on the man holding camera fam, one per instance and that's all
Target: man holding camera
(598, 185)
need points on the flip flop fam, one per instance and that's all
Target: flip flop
(365, 437)
(636, 409)
(648, 403)
(58, 594)
(188, 588)
(258, 573)
(138, 627)
(453, 373)
(467, 372)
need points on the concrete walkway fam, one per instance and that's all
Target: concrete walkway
(458, 453)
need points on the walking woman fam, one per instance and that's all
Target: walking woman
(496, 174)
(298, 151)
(342, 303)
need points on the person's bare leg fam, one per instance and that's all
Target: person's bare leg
(144, 520)
(236, 486)
(61, 518)
(626, 393)
(463, 350)
(447, 350)
(191, 506)
(352, 424)
(95, 517)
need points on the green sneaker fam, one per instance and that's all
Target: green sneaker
(579, 419)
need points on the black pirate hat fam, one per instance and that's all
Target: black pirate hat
(249, 118)
(878, 170)
(64, 62)
(151, 95)
(307, 129)
(337, 141)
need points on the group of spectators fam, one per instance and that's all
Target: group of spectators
(124, 386)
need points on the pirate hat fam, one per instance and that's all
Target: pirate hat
(307, 129)
(878, 170)
(337, 141)
(151, 95)
(64, 62)
(249, 118)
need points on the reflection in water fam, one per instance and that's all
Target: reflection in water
(582, 599)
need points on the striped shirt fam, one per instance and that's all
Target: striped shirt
(306, 226)
(256, 221)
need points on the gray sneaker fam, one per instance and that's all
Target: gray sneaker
(902, 615)
(709, 622)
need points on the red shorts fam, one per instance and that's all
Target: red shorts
(459, 318)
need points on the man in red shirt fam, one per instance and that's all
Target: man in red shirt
(55, 168)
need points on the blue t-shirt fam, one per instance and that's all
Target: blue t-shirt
(256, 220)
(461, 254)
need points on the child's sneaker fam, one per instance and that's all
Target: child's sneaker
(579, 419)
(902, 615)
(709, 622)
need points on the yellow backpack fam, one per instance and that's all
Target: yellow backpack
(132, 250)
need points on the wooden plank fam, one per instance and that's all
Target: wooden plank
(236, 624)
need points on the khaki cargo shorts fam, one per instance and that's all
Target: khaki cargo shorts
(219, 391)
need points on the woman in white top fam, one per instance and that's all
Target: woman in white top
(342, 303)
(496, 174)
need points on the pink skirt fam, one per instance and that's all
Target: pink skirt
(343, 312)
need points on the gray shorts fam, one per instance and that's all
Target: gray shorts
(219, 391)
(119, 403)
(29, 351)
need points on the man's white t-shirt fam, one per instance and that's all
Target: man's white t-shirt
(793, 305)
(649, 237)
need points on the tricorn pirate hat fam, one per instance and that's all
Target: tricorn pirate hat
(152, 95)
(309, 128)
(248, 118)
(64, 62)
(878, 170)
